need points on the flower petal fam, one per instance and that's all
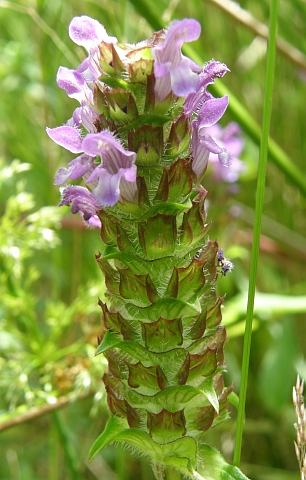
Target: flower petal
(195, 100)
(63, 175)
(81, 200)
(107, 192)
(112, 153)
(74, 84)
(200, 154)
(89, 70)
(93, 220)
(67, 137)
(224, 157)
(129, 174)
(209, 143)
(183, 80)
(128, 189)
(172, 70)
(180, 31)
(80, 166)
(211, 111)
(88, 33)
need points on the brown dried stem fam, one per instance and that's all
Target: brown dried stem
(36, 412)
(246, 18)
(300, 426)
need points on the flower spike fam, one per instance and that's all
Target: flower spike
(142, 154)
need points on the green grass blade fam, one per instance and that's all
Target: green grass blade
(147, 11)
(267, 107)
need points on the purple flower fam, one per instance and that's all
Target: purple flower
(78, 168)
(81, 200)
(173, 71)
(85, 116)
(93, 221)
(195, 100)
(75, 85)
(200, 154)
(202, 141)
(229, 138)
(89, 33)
(78, 84)
(206, 111)
(116, 163)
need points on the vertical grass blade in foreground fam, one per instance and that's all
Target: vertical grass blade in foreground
(267, 107)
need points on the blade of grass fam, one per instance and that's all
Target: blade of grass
(237, 110)
(145, 9)
(71, 456)
(263, 154)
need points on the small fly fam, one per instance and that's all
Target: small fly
(198, 253)
(225, 264)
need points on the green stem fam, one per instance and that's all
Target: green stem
(159, 472)
(257, 225)
(71, 456)
(121, 463)
(166, 473)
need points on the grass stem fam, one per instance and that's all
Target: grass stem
(267, 107)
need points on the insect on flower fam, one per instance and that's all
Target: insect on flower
(198, 253)
(225, 264)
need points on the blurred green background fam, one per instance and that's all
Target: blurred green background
(49, 280)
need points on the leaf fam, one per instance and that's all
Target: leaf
(137, 264)
(163, 335)
(215, 467)
(165, 208)
(166, 426)
(112, 428)
(118, 83)
(135, 286)
(167, 308)
(138, 352)
(172, 453)
(110, 340)
(177, 450)
(208, 388)
(172, 398)
(157, 235)
(168, 361)
(145, 119)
